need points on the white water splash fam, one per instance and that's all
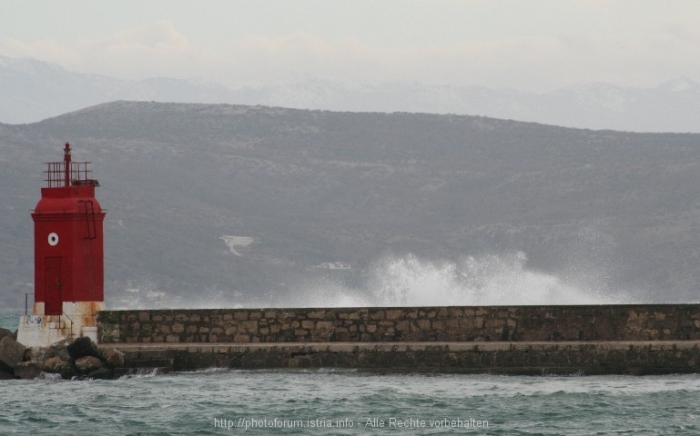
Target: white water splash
(405, 281)
(485, 280)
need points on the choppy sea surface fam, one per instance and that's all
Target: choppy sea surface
(339, 402)
(219, 402)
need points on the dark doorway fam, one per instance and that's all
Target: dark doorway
(54, 292)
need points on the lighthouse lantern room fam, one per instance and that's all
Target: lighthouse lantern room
(68, 256)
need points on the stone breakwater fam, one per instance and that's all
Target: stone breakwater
(404, 324)
(601, 339)
(521, 358)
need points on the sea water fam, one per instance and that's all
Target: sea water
(338, 402)
(9, 320)
(320, 402)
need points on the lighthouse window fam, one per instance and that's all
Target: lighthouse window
(53, 239)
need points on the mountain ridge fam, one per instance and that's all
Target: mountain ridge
(33, 90)
(612, 210)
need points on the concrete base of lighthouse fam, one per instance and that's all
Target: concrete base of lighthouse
(78, 319)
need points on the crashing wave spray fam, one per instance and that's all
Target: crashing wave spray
(406, 281)
(485, 280)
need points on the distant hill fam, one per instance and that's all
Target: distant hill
(243, 203)
(671, 107)
(31, 90)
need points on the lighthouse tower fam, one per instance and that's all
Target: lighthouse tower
(68, 256)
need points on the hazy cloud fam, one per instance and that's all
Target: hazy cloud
(521, 62)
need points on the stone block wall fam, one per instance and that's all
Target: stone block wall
(533, 358)
(403, 324)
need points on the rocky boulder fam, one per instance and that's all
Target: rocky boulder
(101, 374)
(6, 368)
(38, 355)
(6, 332)
(28, 370)
(60, 349)
(112, 357)
(11, 353)
(88, 364)
(83, 347)
(56, 365)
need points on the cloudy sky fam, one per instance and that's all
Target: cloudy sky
(533, 45)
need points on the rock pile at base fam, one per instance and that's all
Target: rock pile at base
(78, 358)
(6, 332)
(11, 354)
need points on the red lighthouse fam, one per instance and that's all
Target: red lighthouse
(68, 256)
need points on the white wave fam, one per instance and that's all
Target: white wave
(485, 280)
(142, 373)
(49, 376)
(408, 280)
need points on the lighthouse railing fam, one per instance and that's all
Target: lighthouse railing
(78, 174)
(71, 324)
(26, 302)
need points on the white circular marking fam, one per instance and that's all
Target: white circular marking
(53, 239)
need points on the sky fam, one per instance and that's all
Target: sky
(534, 45)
